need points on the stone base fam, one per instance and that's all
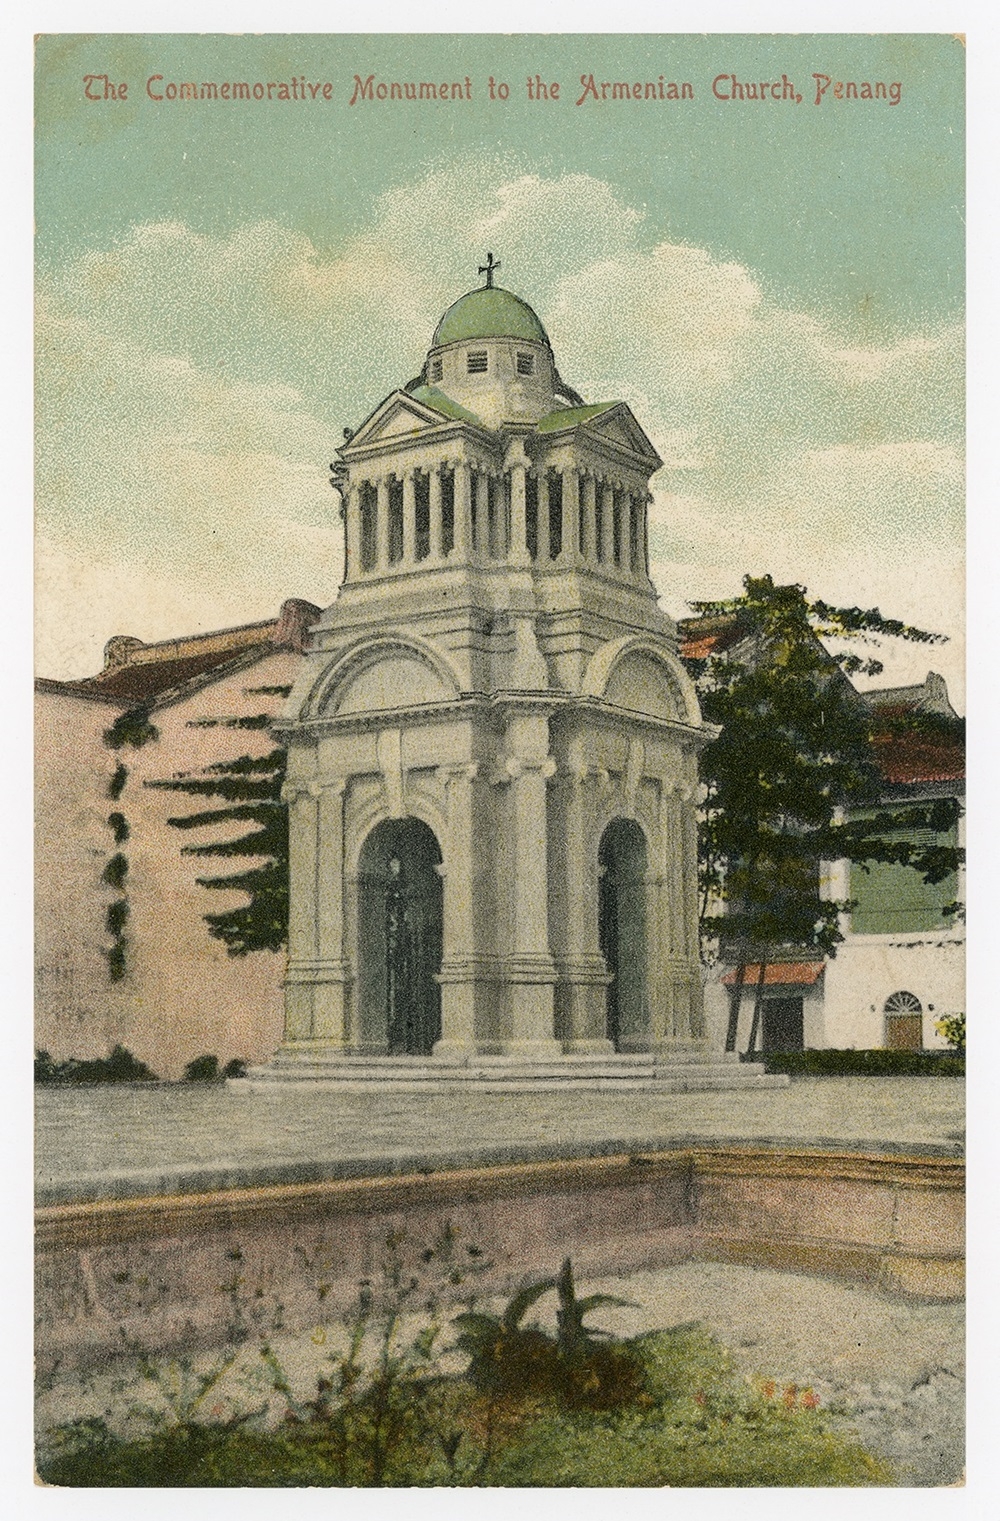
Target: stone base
(521, 1068)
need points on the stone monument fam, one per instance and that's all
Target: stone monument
(492, 746)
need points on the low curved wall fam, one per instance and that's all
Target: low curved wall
(170, 1272)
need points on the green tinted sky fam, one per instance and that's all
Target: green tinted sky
(839, 203)
(774, 288)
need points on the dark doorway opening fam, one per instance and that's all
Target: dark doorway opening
(400, 909)
(783, 1025)
(622, 931)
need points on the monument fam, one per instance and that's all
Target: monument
(492, 746)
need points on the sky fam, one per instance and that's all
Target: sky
(774, 287)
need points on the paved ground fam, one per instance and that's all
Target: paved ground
(893, 1370)
(117, 1140)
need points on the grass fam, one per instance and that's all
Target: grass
(688, 1420)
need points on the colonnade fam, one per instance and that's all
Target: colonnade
(456, 511)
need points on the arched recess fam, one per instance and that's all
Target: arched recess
(383, 674)
(636, 672)
(400, 919)
(622, 859)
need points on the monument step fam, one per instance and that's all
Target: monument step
(624, 1073)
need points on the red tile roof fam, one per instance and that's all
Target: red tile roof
(135, 672)
(910, 758)
(778, 974)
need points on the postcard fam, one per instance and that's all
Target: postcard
(500, 760)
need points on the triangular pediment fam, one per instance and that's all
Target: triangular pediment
(618, 426)
(398, 416)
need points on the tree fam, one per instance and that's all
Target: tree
(792, 780)
(250, 787)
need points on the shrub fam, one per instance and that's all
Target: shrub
(120, 1067)
(204, 1069)
(576, 1366)
(952, 1028)
(874, 1063)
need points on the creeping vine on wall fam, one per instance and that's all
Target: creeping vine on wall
(132, 728)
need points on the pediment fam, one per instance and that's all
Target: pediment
(618, 426)
(399, 415)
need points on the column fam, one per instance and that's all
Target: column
(463, 510)
(544, 529)
(570, 517)
(584, 973)
(482, 516)
(689, 917)
(302, 840)
(352, 528)
(608, 524)
(382, 525)
(588, 506)
(644, 507)
(627, 533)
(434, 503)
(678, 1025)
(409, 519)
(517, 464)
(531, 971)
(458, 951)
(330, 970)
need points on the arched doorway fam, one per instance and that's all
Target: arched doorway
(904, 1022)
(622, 928)
(400, 902)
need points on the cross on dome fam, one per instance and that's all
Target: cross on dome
(488, 270)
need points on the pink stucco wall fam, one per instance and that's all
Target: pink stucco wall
(182, 995)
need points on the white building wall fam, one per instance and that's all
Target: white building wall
(867, 969)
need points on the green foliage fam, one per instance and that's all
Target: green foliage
(118, 824)
(116, 917)
(133, 728)
(386, 1412)
(204, 1069)
(254, 721)
(400, 1424)
(952, 1028)
(874, 1063)
(115, 871)
(574, 1366)
(120, 1067)
(250, 788)
(792, 778)
(115, 957)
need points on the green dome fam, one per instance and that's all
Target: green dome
(489, 313)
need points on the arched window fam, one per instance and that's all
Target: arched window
(904, 1022)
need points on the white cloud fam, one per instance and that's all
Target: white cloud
(193, 388)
